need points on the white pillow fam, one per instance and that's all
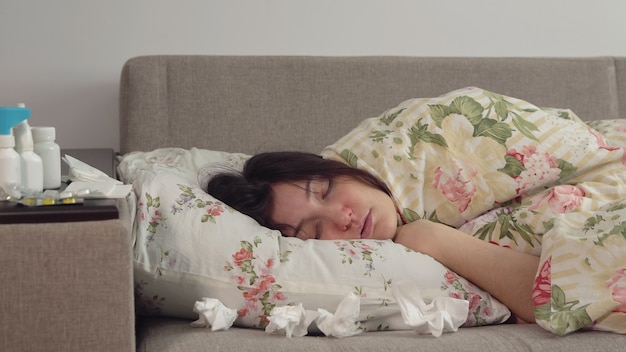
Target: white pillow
(189, 245)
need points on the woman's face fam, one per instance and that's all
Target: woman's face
(341, 208)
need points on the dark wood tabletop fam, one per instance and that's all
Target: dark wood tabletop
(88, 210)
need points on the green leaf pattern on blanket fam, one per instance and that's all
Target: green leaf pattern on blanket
(618, 229)
(484, 126)
(552, 306)
(410, 215)
(420, 132)
(508, 226)
(351, 158)
(563, 316)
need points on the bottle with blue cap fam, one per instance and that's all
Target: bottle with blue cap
(10, 163)
(31, 163)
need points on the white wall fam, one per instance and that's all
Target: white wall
(63, 58)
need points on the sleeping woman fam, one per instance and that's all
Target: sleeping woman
(303, 195)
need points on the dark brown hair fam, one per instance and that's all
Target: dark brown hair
(250, 191)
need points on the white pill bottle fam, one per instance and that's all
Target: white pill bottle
(9, 162)
(50, 154)
(31, 163)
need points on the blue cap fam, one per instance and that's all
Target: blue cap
(11, 116)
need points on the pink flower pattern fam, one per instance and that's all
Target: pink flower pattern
(151, 213)
(352, 251)
(543, 284)
(215, 210)
(617, 286)
(539, 168)
(561, 199)
(253, 276)
(603, 145)
(479, 311)
(455, 185)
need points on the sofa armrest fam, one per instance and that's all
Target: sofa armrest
(66, 287)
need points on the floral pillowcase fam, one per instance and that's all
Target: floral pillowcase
(188, 245)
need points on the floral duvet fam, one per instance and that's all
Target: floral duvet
(537, 180)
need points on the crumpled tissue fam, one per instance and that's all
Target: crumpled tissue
(344, 322)
(81, 171)
(89, 182)
(214, 314)
(442, 314)
(294, 320)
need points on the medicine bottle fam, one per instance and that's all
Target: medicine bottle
(9, 161)
(31, 163)
(50, 154)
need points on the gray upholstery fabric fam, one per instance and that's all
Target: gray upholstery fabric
(66, 287)
(252, 104)
(172, 335)
(620, 74)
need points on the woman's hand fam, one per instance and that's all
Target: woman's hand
(506, 274)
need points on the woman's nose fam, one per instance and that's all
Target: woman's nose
(342, 219)
(337, 224)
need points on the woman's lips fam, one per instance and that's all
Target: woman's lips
(366, 231)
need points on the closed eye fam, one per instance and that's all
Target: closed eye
(315, 189)
(329, 187)
(318, 188)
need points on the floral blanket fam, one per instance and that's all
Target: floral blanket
(537, 180)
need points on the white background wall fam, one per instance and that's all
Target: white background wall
(63, 58)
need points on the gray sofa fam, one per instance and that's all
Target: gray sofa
(68, 286)
(242, 104)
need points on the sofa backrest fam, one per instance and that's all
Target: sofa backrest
(251, 104)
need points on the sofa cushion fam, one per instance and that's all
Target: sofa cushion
(175, 335)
